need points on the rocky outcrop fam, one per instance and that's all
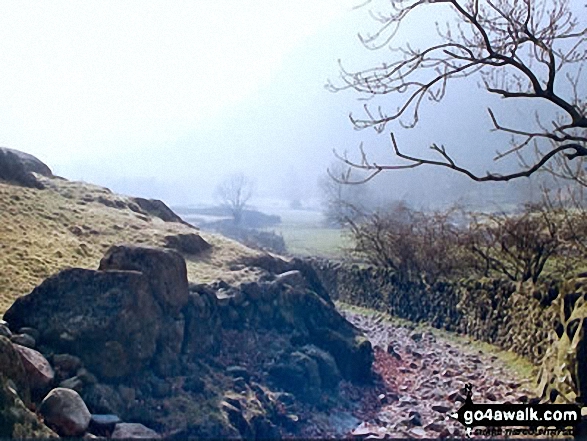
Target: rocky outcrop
(157, 208)
(18, 167)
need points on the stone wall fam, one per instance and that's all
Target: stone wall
(543, 322)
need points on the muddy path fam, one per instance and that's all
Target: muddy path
(421, 376)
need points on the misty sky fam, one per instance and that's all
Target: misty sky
(164, 99)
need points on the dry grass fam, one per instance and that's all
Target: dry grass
(45, 231)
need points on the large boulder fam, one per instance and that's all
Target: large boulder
(107, 318)
(14, 170)
(165, 271)
(29, 162)
(65, 412)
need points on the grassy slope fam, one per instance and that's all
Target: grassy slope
(44, 231)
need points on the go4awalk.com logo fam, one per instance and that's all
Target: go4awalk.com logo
(500, 419)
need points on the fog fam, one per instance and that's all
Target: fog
(165, 99)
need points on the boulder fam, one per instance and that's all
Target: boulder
(11, 367)
(39, 372)
(65, 412)
(187, 243)
(107, 318)
(157, 208)
(133, 431)
(14, 171)
(29, 162)
(165, 271)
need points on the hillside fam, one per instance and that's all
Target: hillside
(72, 224)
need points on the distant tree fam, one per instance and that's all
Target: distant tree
(234, 193)
(530, 51)
(342, 203)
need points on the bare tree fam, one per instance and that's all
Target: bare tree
(234, 193)
(517, 246)
(524, 50)
(415, 245)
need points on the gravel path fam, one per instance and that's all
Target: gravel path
(422, 377)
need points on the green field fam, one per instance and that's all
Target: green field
(305, 234)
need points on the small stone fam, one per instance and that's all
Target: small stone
(417, 432)
(523, 398)
(413, 365)
(30, 331)
(133, 431)
(415, 418)
(65, 412)
(24, 340)
(86, 376)
(435, 427)
(103, 424)
(490, 396)
(391, 351)
(441, 408)
(73, 383)
(416, 336)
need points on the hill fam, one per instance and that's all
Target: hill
(72, 224)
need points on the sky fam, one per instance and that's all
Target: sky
(137, 92)
(165, 99)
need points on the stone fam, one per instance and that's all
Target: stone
(187, 243)
(103, 424)
(12, 367)
(39, 372)
(104, 399)
(74, 383)
(165, 271)
(17, 168)
(30, 331)
(65, 365)
(133, 431)
(65, 412)
(299, 374)
(329, 374)
(5, 331)
(157, 208)
(417, 432)
(391, 351)
(24, 340)
(441, 408)
(109, 319)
